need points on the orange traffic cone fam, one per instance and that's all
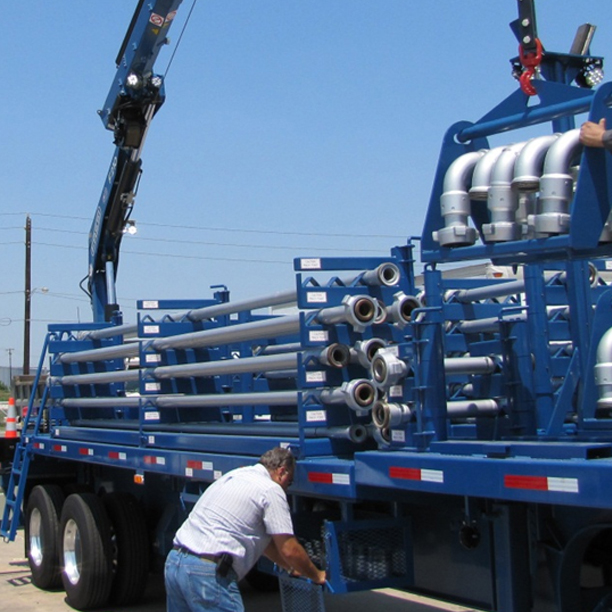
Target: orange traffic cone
(11, 420)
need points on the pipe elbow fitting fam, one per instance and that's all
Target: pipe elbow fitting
(400, 312)
(455, 204)
(387, 415)
(388, 369)
(530, 162)
(557, 186)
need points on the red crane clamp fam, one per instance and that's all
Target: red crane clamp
(530, 61)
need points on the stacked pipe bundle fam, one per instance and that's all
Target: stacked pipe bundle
(224, 368)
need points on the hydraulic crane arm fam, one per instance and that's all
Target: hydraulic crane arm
(136, 94)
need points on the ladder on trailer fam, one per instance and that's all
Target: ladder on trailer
(11, 517)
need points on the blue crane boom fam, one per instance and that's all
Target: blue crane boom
(136, 94)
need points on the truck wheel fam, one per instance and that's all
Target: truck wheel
(85, 551)
(129, 548)
(42, 535)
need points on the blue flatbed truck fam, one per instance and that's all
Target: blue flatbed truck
(453, 435)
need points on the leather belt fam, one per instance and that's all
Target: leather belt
(203, 556)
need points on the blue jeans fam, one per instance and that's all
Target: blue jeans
(192, 585)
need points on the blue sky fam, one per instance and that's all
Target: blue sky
(291, 128)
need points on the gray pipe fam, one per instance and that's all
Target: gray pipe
(358, 394)
(529, 164)
(469, 365)
(277, 326)
(481, 179)
(487, 292)
(464, 409)
(400, 312)
(455, 202)
(556, 186)
(502, 201)
(603, 370)
(364, 350)
(386, 274)
(357, 310)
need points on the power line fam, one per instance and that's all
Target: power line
(232, 229)
(222, 244)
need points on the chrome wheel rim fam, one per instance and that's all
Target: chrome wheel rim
(73, 553)
(35, 537)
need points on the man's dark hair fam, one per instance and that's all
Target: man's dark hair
(276, 458)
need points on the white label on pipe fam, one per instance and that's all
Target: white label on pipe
(398, 435)
(316, 297)
(152, 386)
(318, 335)
(150, 329)
(608, 264)
(152, 415)
(312, 263)
(316, 415)
(217, 474)
(189, 472)
(150, 304)
(318, 376)
(396, 391)
(152, 358)
(151, 439)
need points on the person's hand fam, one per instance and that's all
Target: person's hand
(591, 134)
(321, 578)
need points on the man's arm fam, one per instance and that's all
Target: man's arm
(288, 553)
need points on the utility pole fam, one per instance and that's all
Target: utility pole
(10, 354)
(28, 296)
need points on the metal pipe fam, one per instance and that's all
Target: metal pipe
(455, 202)
(481, 179)
(386, 274)
(524, 118)
(391, 414)
(502, 200)
(530, 162)
(358, 394)
(364, 350)
(357, 310)
(469, 365)
(387, 368)
(603, 370)
(487, 292)
(253, 330)
(463, 409)
(400, 312)
(556, 186)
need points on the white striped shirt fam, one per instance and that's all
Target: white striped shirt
(237, 514)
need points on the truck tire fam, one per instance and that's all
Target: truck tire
(42, 538)
(85, 551)
(129, 548)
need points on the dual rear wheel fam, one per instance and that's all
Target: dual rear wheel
(97, 548)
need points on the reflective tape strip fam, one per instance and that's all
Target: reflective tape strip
(542, 483)
(150, 460)
(117, 455)
(86, 451)
(329, 478)
(418, 474)
(59, 448)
